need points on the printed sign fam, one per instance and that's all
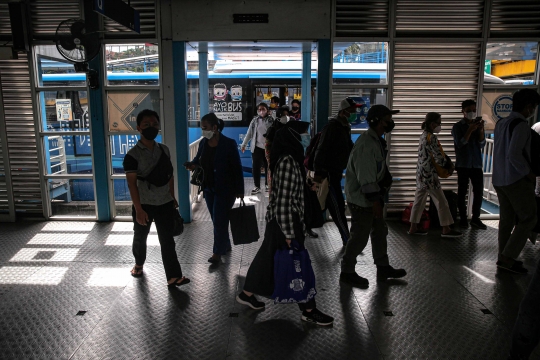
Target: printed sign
(63, 110)
(229, 116)
(229, 102)
(125, 106)
(495, 106)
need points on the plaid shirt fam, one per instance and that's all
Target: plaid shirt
(287, 196)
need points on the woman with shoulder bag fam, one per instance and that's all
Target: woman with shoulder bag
(432, 163)
(223, 179)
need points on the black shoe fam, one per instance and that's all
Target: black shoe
(452, 234)
(477, 223)
(256, 191)
(464, 223)
(317, 317)
(215, 260)
(312, 234)
(354, 279)
(386, 272)
(250, 301)
(516, 267)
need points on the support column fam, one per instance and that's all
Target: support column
(306, 82)
(181, 127)
(203, 78)
(324, 83)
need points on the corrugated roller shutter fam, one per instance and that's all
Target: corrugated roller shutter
(4, 204)
(5, 23)
(361, 18)
(21, 136)
(439, 17)
(147, 11)
(510, 18)
(46, 15)
(448, 75)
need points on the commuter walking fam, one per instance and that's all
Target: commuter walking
(296, 113)
(282, 117)
(331, 157)
(223, 180)
(469, 140)
(367, 181)
(514, 180)
(284, 224)
(150, 179)
(430, 155)
(274, 106)
(256, 131)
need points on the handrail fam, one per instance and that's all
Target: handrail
(193, 148)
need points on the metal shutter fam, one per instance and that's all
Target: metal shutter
(46, 15)
(21, 135)
(439, 17)
(361, 18)
(147, 11)
(448, 75)
(5, 23)
(515, 18)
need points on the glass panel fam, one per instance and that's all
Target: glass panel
(365, 96)
(496, 105)
(122, 198)
(360, 62)
(124, 106)
(132, 64)
(54, 70)
(72, 197)
(120, 145)
(64, 110)
(510, 63)
(68, 154)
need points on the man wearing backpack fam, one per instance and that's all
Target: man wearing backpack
(514, 179)
(330, 160)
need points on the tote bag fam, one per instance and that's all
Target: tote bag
(244, 226)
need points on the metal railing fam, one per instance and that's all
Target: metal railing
(487, 166)
(193, 147)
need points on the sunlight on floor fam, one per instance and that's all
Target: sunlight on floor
(32, 254)
(127, 240)
(478, 275)
(31, 275)
(58, 239)
(109, 277)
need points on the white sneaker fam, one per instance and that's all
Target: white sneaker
(256, 191)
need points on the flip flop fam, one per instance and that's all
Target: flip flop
(179, 282)
(137, 271)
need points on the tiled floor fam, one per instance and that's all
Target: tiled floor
(50, 271)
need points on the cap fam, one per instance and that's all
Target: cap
(379, 111)
(300, 127)
(347, 103)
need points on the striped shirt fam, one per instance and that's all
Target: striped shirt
(287, 196)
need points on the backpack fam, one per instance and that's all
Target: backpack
(310, 151)
(535, 146)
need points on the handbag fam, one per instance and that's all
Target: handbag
(244, 226)
(294, 279)
(178, 223)
(197, 178)
(442, 171)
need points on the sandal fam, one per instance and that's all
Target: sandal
(137, 271)
(179, 282)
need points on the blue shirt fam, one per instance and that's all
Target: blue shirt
(511, 154)
(468, 153)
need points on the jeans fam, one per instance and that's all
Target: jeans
(163, 216)
(518, 200)
(363, 225)
(336, 205)
(477, 179)
(219, 207)
(258, 158)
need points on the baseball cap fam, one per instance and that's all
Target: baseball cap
(379, 111)
(347, 103)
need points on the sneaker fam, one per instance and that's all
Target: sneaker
(256, 191)
(464, 223)
(266, 188)
(516, 267)
(354, 280)
(317, 317)
(420, 232)
(477, 223)
(452, 234)
(250, 301)
(386, 272)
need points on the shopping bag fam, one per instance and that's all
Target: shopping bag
(294, 280)
(244, 227)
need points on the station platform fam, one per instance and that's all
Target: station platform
(66, 293)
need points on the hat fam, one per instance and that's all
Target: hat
(300, 127)
(347, 103)
(378, 112)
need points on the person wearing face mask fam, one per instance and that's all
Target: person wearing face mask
(256, 133)
(367, 181)
(295, 110)
(331, 157)
(427, 180)
(282, 117)
(223, 180)
(469, 140)
(274, 106)
(514, 179)
(149, 174)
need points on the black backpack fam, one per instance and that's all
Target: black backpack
(162, 172)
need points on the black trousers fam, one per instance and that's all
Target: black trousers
(477, 179)
(163, 215)
(260, 275)
(336, 204)
(258, 158)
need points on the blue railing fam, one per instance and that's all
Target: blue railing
(378, 57)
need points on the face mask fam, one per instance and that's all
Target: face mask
(262, 113)
(390, 124)
(284, 119)
(437, 129)
(471, 115)
(208, 134)
(295, 108)
(150, 133)
(352, 117)
(305, 139)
